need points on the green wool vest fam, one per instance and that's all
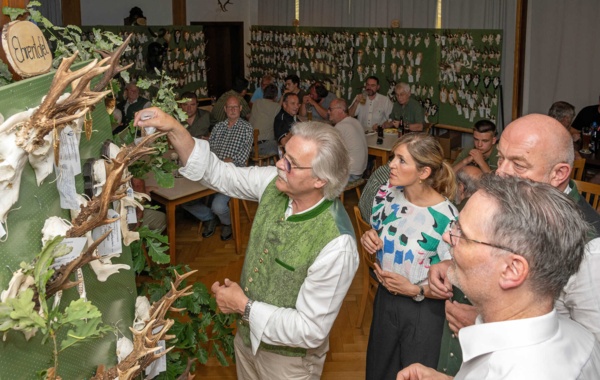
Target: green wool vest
(280, 252)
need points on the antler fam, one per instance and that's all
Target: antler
(145, 342)
(51, 114)
(113, 64)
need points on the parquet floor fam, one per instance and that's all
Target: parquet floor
(215, 260)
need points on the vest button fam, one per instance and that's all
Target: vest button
(453, 336)
(246, 289)
(260, 261)
(266, 251)
(250, 279)
(255, 270)
(452, 354)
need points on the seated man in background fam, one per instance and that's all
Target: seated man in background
(316, 102)
(292, 85)
(484, 154)
(512, 261)
(353, 135)
(263, 113)
(239, 90)
(287, 116)
(406, 109)
(565, 113)
(266, 80)
(132, 104)
(587, 116)
(198, 120)
(372, 109)
(231, 141)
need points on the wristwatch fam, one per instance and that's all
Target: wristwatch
(419, 297)
(246, 315)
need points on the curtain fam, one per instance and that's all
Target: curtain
(368, 14)
(276, 12)
(52, 10)
(564, 51)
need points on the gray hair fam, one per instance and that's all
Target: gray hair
(562, 111)
(332, 162)
(403, 87)
(470, 183)
(540, 223)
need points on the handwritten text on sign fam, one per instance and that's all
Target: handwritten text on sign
(26, 48)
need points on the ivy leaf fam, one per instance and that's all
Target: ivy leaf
(163, 179)
(13, 13)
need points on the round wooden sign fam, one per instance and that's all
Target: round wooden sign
(26, 48)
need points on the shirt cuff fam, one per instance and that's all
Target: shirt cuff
(259, 318)
(197, 163)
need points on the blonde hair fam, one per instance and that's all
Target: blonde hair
(427, 152)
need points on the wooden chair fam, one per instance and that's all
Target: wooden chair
(578, 168)
(353, 185)
(590, 191)
(257, 158)
(370, 284)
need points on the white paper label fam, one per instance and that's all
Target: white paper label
(112, 244)
(159, 365)
(131, 215)
(69, 150)
(76, 244)
(66, 187)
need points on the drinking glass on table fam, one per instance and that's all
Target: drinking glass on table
(363, 100)
(586, 138)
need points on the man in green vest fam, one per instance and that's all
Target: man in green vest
(302, 254)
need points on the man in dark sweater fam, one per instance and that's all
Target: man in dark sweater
(132, 104)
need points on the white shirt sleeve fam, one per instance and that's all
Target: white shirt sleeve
(243, 183)
(580, 298)
(318, 304)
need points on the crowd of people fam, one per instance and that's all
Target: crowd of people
(488, 266)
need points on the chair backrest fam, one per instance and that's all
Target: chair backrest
(255, 143)
(368, 259)
(590, 191)
(577, 172)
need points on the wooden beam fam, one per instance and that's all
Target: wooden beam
(179, 12)
(71, 12)
(519, 63)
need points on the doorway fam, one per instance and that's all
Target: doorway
(225, 53)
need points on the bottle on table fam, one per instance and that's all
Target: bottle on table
(594, 138)
(379, 135)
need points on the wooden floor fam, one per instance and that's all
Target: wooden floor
(216, 260)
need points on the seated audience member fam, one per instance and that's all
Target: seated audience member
(292, 84)
(512, 261)
(587, 116)
(406, 109)
(467, 181)
(484, 154)
(539, 148)
(240, 87)
(132, 104)
(231, 141)
(266, 80)
(287, 116)
(263, 113)
(565, 113)
(317, 102)
(377, 179)
(353, 135)
(373, 109)
(198, 120)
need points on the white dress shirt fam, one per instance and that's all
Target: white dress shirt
(545, 347)
(580, 298)
(328, 279)
(376, 111)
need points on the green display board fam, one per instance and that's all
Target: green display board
(454, 74)
(178, 50)
(21, 359)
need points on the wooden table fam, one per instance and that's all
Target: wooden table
(185, 191)
(381, 152)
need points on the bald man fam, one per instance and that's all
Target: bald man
(540, 148)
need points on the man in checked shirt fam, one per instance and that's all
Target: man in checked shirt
(231, 140)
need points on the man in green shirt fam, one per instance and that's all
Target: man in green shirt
(406, 109)
(484, 154)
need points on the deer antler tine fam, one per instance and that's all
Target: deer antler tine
(114, 66)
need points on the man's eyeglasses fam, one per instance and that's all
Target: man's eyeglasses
(456, 233)
(287, 164)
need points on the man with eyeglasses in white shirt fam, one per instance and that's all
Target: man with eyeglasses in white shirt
(302, 253)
